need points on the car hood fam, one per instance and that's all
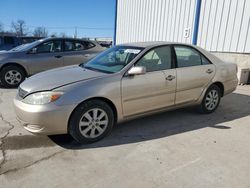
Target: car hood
(55, 78)
(8, 54)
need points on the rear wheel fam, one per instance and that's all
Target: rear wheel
(11, 76)
(211, 100)
(91, 121)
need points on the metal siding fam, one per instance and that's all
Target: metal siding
(209, 30)
(224, 24)
(154, 20)
(181, 28)
(242, 44)
(247, 41)
(236, 31)
(216, 23)
(187, 18)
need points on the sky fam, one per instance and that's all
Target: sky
(93, 18)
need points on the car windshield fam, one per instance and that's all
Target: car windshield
(19, 47)
(113, 59)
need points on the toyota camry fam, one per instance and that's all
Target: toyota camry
(122, 83)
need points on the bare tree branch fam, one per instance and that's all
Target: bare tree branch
(40, 32)
(19, 27)
(63, 35)
(1, 27)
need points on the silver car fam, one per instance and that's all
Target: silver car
(124, 82)
(44, 54)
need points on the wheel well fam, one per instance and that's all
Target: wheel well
(221, 86)
(109, 102)
(15, 64)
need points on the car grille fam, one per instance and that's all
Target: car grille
(22, 93)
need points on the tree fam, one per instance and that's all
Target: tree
(40, 32)
(53, 35)
(19, 27)
(1, 27)
(63, 35)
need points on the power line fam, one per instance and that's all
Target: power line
(70, 27)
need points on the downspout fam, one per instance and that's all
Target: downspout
(114, 38)
(196, 21)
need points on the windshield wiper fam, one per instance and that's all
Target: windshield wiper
(94, 69)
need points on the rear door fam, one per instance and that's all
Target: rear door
(194, 72)
(77, 51)
(48, 55)
(153, 90)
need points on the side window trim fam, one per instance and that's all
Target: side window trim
(77, 41)
(49, 41)
(183, 45)
(64, 45)
(86, 47)
(82, 43)
(172, 65)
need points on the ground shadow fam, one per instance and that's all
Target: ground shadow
(3, 87)
(232, 107)
(25, 142)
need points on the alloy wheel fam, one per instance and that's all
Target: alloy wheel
(212, 99)
(13, 77)
(93, 123)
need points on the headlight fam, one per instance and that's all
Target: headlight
(42, 97)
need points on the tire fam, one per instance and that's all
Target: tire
(86, 127)
(211, 100)
(11, 76)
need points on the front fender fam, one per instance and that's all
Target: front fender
(108, 88)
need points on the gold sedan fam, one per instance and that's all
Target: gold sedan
(123, 82)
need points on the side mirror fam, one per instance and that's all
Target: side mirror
(33, 51)
(137, 70)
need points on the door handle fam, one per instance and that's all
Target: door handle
(209, 71)
(58, 56)
(170, 77)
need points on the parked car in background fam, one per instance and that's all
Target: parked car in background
(44, 54)
(106, 44)
(8, 42)
(123, 82)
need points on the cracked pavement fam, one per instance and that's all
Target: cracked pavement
(163, 150)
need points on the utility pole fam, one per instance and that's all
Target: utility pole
(75, 36)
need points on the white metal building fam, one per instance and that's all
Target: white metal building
(216, 25)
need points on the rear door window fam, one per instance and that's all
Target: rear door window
(74, 45)
(187, 57)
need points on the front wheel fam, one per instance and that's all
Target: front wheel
(91, 121)
(11, 76)
(211, 100)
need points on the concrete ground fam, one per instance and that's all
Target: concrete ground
(173, 149)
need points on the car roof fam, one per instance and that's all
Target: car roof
(150, 44)
(64, 38)
(145, 44)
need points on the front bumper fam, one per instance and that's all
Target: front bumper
(46, 119)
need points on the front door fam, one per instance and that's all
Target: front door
(48, 56)
(153, 90)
